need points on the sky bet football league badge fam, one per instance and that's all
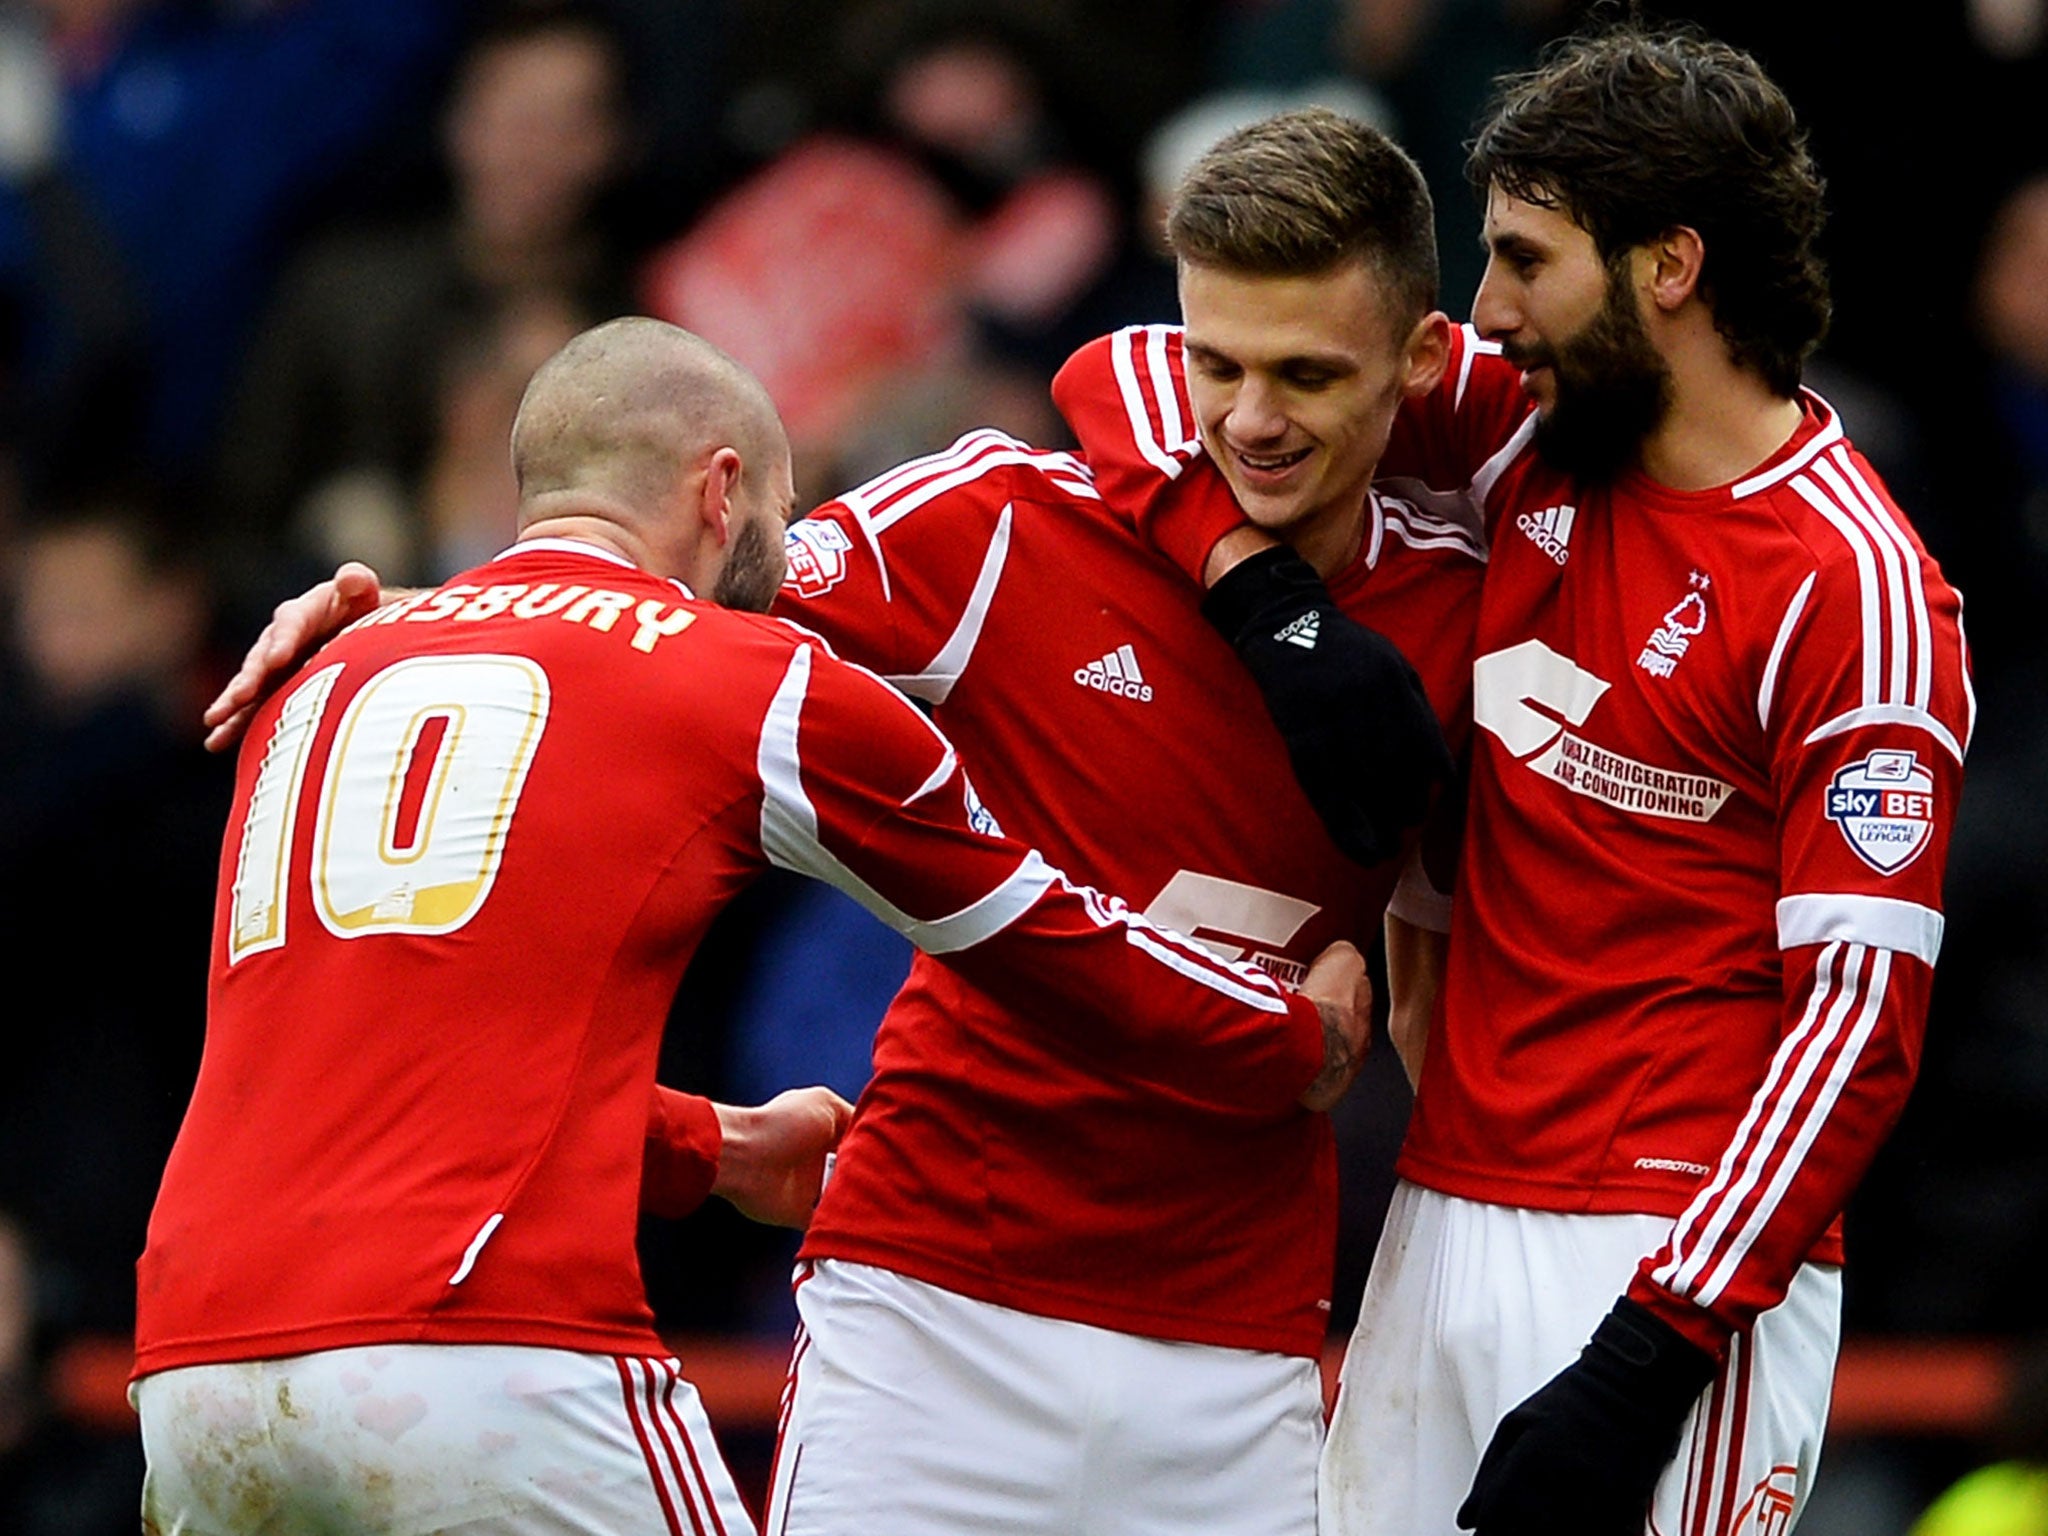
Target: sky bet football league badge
(817, 556)
(1885, 807)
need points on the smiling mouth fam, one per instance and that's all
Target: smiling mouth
(1270, 463)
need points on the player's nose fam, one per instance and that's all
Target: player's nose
(1494, 311)
(1256, 415)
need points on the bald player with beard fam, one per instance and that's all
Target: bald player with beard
(390, 1283)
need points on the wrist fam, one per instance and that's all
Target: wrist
(736, 1127)
(1691, 1321)
(1662, 1371)
(1265, 587)
(1233, 549)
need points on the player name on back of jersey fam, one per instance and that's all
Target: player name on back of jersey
(597, 608)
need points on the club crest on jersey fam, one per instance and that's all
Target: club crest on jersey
(817, 553)
(1884, 805)
(1668, 645)
(1550, 530)
(1772, 1505)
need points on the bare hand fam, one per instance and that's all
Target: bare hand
(1338, 986)
(772, 1165)
(298, 626)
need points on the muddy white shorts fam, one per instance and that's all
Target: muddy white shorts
(915, 1411)
(1470, 1307)
(411, 1439)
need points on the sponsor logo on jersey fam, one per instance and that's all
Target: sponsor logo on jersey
(1303, 631)
(1116, 673)
(1550, 530)
(1506, 685)
(979, 816)
(1673, 1165)
(1884, 805)
(817, 553)
(1688, 616)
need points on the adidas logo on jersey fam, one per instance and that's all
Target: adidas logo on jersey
(1550, 530)
(1116, 673)
(1303, 631)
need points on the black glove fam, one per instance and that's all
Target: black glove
(1360, 732)
(1584, 1452)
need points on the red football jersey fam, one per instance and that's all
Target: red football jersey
(1108, 724)
(472, 850)
(1720, 744)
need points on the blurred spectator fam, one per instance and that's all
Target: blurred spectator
(944, 231)
(830, 274)
(373, 338)
(58, 1476)
(156, 154)
(1179, 140)
(1428, 63)
(110, 823)
(2011, 309)
(111, 816)
(468, 501)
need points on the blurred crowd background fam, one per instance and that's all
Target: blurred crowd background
(273, 274)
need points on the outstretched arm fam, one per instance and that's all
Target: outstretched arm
(298, 627)
(767, 1160)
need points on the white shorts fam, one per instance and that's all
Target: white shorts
(1471, 1307)
(411, 1439)
(915, 1411)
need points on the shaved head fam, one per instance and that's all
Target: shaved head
(623, 412)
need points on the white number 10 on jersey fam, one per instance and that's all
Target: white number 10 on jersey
(424, 774)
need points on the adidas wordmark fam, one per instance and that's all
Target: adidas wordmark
(1116, 673)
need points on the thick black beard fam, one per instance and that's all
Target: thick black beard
(1613, 389)
(753, 570)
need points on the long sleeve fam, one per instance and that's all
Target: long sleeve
(680, 1161)
(1124, 397)
(1866, 705)
(862, 792)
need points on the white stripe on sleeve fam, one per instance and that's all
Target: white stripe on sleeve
(935, 683)
(1866, 581)
(1143, 437)
(1677, 1273)
(1969, 689)
(1786, 625)
(1887, 523)
(1883, 922)
(1888, 714)
(1809, 1130)
(789, 837)
(1895, 620)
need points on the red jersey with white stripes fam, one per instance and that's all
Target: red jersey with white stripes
(470, 855)
(1107, 723)
(1719, 747)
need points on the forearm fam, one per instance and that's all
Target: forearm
(1415, 969)
(1834, 1088)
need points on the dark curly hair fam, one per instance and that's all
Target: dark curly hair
(1634, 131)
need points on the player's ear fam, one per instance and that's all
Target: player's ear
(721, 483)
(1674, 260)
(1427, 354)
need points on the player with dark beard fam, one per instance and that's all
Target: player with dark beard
(1722, 699)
